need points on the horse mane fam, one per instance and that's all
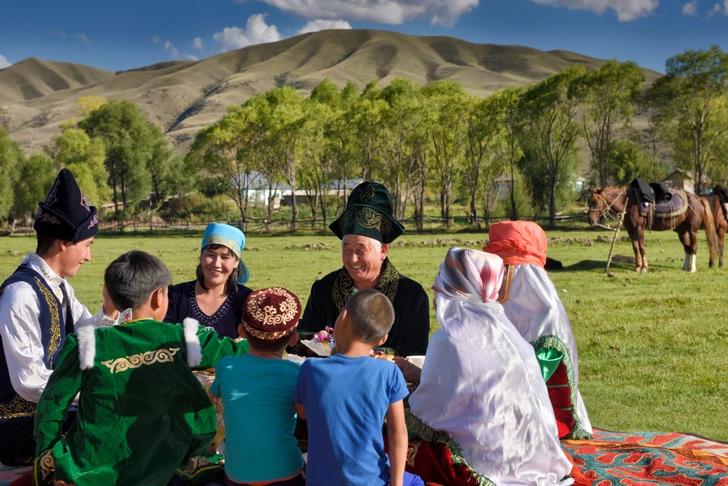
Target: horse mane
(604, 189)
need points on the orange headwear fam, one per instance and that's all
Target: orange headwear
(518, 242)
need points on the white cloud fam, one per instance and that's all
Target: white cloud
(83, 38)
(725, 7)
(690, 8)
(198, 44)
(4, 62)
(192, 57)
(169, 47)
(626, 10)
(319, 24)
(394, 12)
(59, 33)
(156, 39)
(256, 32)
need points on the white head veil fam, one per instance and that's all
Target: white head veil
(481, 382)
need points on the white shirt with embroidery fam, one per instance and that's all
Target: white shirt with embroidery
(21, 333)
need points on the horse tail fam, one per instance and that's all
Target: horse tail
(710, 231)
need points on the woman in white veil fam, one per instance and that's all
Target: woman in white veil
(481, 383)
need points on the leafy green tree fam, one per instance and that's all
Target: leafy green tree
(364, 120)
(608, 97)
(284, 135)
(222, 153)
(401, 128)
(34, 177)
(507, 149)
(166, 172)
(485, 122)
(10, 156)
(448, 106)
(629, 161)
(317, 167)
(691, 102)
(127, 141)
(84, 157)
(549, 132)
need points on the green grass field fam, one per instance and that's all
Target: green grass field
(653, 348)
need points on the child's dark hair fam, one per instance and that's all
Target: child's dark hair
(371, 314)
(268, 346)
(131, 278)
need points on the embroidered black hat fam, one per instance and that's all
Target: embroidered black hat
(65, 214)
(368, 213)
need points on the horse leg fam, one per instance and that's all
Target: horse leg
(690, 245)
(721, 238)
(635, 236)
(644, 253)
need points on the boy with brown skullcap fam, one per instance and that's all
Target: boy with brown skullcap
(257, 394)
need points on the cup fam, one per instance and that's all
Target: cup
(418, 360)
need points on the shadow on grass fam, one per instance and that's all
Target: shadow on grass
(596, 265)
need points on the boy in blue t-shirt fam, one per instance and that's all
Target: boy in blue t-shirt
(345, 398)
(257, 394)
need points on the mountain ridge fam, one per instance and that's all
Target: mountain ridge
(182, 97)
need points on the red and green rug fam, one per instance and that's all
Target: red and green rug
(650, 458)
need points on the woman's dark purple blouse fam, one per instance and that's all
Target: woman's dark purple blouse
(225, 321)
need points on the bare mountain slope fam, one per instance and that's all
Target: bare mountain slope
(184, 96)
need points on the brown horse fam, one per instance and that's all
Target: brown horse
(721, 223)
(609, 201)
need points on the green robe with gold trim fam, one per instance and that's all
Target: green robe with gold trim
(142, 415)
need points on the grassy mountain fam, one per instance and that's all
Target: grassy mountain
(184, 96)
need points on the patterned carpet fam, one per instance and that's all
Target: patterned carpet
(650, 458)
(9, 474)
(624, 459)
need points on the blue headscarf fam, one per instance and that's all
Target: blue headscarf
(229, 237)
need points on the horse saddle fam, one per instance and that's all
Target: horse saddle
(676, 206)
(652, 193)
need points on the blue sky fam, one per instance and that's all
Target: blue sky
(134, 33)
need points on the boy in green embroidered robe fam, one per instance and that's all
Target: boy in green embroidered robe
(142, 415)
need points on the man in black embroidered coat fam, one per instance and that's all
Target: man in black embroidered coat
(366, 228)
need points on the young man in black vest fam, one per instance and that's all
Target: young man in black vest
(38, 309)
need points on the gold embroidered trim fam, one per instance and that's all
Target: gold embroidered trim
(196, 465)
(120, 365)
(367, 218)
(267, 335)
(412, 449)
(225, 241)
(269, 315)
(16, 408)
(509, 279)
(344, 286)
(55, 338)
(366, 193)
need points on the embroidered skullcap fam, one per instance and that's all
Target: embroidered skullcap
(469, 274)
(231, 238)
(270, 314)
(518, 242)
(65, 214)
(368, 213)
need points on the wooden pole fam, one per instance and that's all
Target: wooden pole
(620, 217)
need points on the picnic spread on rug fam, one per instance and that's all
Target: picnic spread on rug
(492, 399)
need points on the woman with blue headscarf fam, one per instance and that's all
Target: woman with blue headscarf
(216, 297)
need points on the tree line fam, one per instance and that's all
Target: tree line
(435, 139)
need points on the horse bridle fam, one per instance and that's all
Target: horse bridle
(605, 212)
